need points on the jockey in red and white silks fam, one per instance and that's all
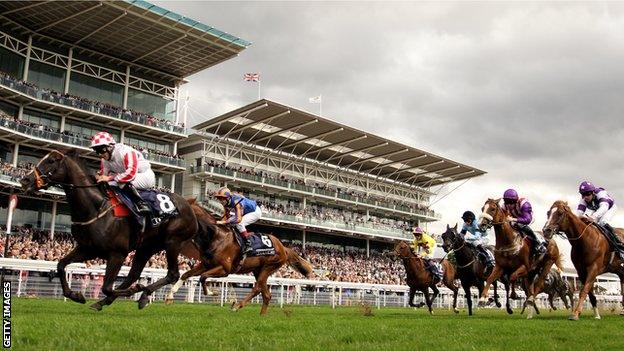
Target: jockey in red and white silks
(128, 165)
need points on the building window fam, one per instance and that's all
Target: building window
(96, 89)
(46, 76)
(11, 63)
(156, 106)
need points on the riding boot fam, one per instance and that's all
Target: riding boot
(540, 246)
(133, 193)
(489, 260)
(619, 246)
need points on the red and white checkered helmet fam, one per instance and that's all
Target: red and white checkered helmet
(102, 138)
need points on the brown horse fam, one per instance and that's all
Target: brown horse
(591, 253)
(221, 256)
(513, 256)
(419, 278)
(99, 234)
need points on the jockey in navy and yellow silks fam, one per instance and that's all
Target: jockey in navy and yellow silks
(246, 212)
(423, 244)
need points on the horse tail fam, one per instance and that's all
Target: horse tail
(297, 262)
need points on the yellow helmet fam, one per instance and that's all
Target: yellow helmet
(223, 192)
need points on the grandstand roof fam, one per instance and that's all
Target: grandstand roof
(269, 124)
(129, 32)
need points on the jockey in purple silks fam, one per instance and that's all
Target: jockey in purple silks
(520, 215)
(598, 207)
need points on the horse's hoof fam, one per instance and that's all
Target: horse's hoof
(168, 301)
(597, 317)
(96, 306)
(143, 301)
(573, 317)
(209, 292)
(77, 297)
(455, 310)
(509, 310)
(498, 304)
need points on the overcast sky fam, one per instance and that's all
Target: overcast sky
(532, 93)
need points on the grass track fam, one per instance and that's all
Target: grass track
(56, 325)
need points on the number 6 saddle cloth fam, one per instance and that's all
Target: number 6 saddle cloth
(159, 202)
(261, 244)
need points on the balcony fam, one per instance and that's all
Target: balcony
(41, 138)
(225, 174)
(22, 93)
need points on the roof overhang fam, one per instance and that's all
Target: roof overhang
(131, 32)
(268, 124)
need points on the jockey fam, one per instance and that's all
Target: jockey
(124, 167)
(474, 237)
(246, 212)
(424, 246)
(597, 206)
(520, 215)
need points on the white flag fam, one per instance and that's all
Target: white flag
(315, 100)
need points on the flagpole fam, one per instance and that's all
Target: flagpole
(259, 86)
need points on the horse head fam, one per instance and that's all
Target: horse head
(51, 169)
(403, 250)
(451, 239)
(558, 217)
(491, 214)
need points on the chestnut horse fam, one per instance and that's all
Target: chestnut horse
(99, 234)
(513, 256)
(419, 278)
(470, 270)
(591, 253)
(220, 256)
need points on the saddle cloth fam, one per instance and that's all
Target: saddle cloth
(159, 202)
(261, 244)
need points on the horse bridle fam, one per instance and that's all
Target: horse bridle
(490, 219)
(557, 231)
(42, 180)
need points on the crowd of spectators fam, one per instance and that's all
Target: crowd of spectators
(15, 173)
(90, 105)
(349, 218)
(70, 137)
(330, 263)
(320, 186)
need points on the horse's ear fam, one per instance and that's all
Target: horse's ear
(455, 227)
(447, 226)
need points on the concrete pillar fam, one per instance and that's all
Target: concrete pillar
(303, 240)
(126, 87)
(68, 72)
(15, 152)
(62, 123)
(27, 61)
(53, 222)
(367, 248)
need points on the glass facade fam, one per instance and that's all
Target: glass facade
(46, 76)
(143, 143)
(41, 119)
(11, 63)
(156, 106)
(96, 89)
(88, 130)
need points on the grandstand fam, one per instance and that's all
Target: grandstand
(318, 181)
(69, 69)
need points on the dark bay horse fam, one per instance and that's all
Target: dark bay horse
(420, 279)
(220, 256)
(470, 270)
(513, 256)
(99, 234)
(591, 253)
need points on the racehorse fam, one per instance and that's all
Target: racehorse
(99, 234)
(591, 252)
(221, 256)
(513, 256)
(470, 270)
(419, 278)
(554, 286)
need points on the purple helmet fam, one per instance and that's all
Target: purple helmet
(510, 194)
(586, 187)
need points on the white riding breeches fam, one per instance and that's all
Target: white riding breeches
(606, 218)
(248, 219)
(143, 180)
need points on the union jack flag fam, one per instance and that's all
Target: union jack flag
(252, 77)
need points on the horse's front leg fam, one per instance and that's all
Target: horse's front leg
(496, 273)
(195, 271)
(78, 254)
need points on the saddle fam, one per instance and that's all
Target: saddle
(616, 242)
(159, 202)
(261, 244)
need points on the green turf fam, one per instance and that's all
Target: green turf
(42, 324)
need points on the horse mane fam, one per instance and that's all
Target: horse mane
(74, 155)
